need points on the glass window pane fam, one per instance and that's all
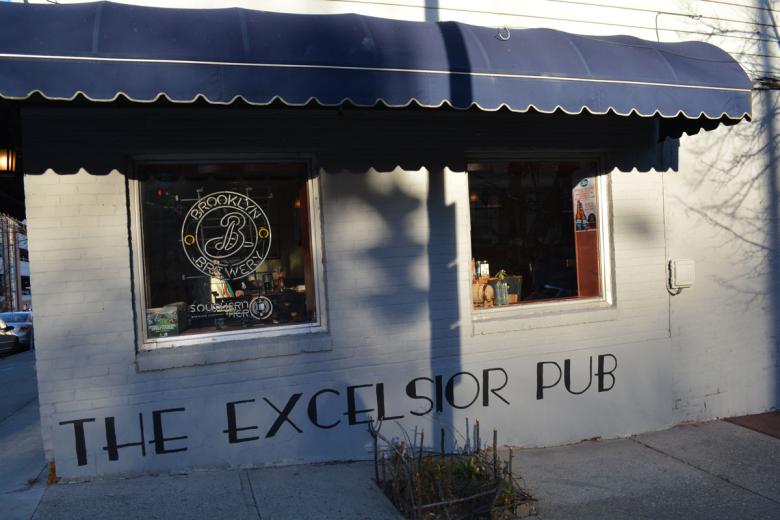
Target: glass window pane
(534, 233)
(225, 247)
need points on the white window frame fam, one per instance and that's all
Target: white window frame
(145, 343)
(552, 313)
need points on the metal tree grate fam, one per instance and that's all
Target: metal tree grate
(472, 482)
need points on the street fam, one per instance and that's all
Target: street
(22, 461)
(20, 388)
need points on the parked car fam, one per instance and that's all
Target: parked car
(9, 342)
(21, 324)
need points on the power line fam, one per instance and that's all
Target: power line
(519, 15)
(667, 13)
(759, 8)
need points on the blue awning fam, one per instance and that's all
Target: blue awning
(103, 51)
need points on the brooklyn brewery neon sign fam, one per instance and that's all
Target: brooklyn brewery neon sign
(227, 235)
(236, 246)
(300, 413)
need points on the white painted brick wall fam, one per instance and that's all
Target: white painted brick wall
(80, 270)
(724, 329)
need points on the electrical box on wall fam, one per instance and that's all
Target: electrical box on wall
(682, 273)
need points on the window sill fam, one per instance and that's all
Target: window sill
(542, 315)
(214, 350)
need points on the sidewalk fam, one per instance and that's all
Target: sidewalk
(322, 491)
(21, 462)
(709, 470)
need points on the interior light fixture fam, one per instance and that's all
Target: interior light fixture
(7, 160)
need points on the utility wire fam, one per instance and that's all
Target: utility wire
(759, 8)
(573, 20)
(692, 16)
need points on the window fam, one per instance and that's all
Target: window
(226, 248)
(24, 255)
(26, 286)
(535, 232)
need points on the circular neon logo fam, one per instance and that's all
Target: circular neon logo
(261, 307)
(226, 235)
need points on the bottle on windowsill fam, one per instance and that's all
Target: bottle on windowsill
(502, 289)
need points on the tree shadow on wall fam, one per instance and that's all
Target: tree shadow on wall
(403, 258)
(746, 211)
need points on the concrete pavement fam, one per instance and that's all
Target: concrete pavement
(708, 470)
(322, 491)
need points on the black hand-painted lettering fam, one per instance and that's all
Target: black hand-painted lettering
(411, 391)
(232, 428)
(312, 409)
(283, 415)
(486, 390)
(540, 386)
(352, 411)
(380, 404)
(567, 376)
(439, 394)
(602, 373)
(450, 390)
(81, 443)
(111, 444)
(159, 439)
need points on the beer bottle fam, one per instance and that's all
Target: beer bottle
(581, 221)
